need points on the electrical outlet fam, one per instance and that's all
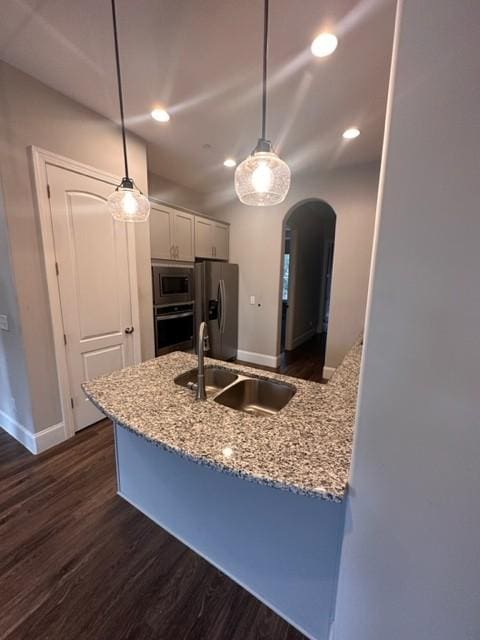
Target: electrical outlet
(4, 322)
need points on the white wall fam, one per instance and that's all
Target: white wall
(411, 554)
(33, 114)
(14, 390)
(172, 193)
(256, 245)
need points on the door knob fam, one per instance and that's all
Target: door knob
(129, 330)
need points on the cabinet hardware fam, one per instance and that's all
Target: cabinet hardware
(129, 330)
(57, 271)
(71, 402)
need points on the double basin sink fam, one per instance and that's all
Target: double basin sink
(252, 395)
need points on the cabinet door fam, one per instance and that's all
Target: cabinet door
(220, 240)
(160, 232)
(203, 237)
(183, 236)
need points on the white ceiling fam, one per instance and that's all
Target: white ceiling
(201, 59)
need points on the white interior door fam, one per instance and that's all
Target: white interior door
(94, 277)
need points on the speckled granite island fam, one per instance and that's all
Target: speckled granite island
(185, 464)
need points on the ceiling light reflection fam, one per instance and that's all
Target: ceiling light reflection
(324, 45)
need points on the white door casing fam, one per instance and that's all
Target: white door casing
(93, 288)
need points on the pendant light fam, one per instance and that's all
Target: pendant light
(127, 203)
(263, 178)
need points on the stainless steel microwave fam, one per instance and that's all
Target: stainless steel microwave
(172, 285)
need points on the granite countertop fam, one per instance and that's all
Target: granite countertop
(305, 448)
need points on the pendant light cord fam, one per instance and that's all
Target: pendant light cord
(264, 87)
(120, 91)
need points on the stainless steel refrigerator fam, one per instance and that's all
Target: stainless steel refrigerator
(216, 302)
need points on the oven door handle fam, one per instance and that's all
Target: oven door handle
(173, 316)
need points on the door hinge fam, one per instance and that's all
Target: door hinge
(48, 191)
(57, 270)
(71, 402)
(64, 339)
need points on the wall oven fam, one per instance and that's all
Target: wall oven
(173, 328)
(173, 307)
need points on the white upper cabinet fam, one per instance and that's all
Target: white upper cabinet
(160, 238)
(211, 239)
(171, 234)
(203, 238)
(220, 240)
(179, 235)
(183, 236)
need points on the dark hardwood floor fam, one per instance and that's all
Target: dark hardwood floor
(79, 563)
(306, 361)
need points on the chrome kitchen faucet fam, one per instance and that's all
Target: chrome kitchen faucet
(203, 345)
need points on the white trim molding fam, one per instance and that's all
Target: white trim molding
(328, 372)
(34, 442)
(259, 358)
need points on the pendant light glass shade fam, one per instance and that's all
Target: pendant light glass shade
(262, 179)
(128, 204)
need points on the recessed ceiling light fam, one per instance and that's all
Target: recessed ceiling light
(230, 162)
(351, 133)
(160, 115)
(324, 45)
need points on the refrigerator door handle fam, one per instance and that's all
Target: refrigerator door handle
(220, 306)
(224, 305)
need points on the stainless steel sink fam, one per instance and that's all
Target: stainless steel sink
(215, 379)
(258, 397)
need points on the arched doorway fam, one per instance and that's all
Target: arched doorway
(307, 262)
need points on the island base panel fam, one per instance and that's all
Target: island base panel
(282, 547)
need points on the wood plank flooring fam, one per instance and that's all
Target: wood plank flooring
(79, 563)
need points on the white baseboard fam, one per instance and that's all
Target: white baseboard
(328, 372)
(49, 437)
(34, 442)
(259, 358)
(296, 342)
